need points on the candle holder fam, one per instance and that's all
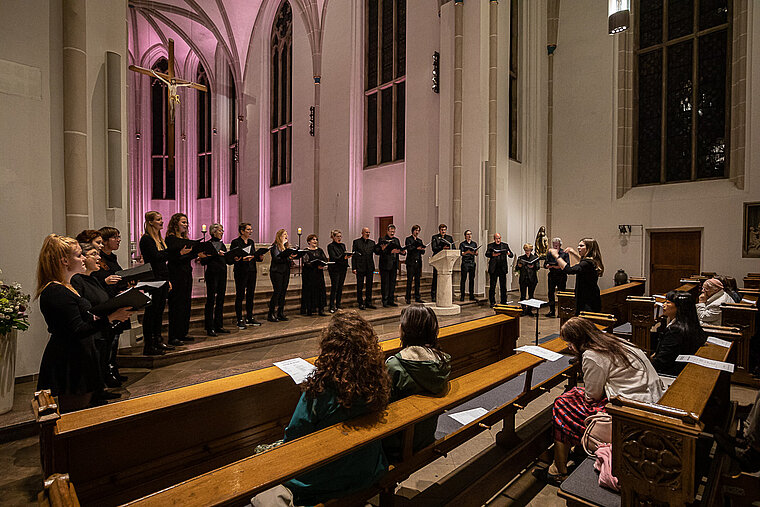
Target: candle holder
(203, 230)
(300, 259)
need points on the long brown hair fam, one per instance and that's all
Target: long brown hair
(351, 363)
(582, 335)
(594, 254)
(153, 233)
(278, 240)
(172, 229)
(50, 266)
(419, 326)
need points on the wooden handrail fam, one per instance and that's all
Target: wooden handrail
(239, 480)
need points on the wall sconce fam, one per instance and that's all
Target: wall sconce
(183, 136)
(213, 130)
(137, 136)
(241, 118)
(311, 120)
(619, 15)
(436, 72)
(624, 229)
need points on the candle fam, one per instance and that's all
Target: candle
(299, 231)
(203, 228)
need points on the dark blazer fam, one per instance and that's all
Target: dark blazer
(672, 342)
(109, 265)
(388, 261)
(587, 297)
(157, 258)
(216, 264)
(528, 272)
(467, 260)
(178, 263)
(278, 265)
(497, 265)
(336, 252)
(413, 256)
(436, 245)
(363, 260)
(242, 266)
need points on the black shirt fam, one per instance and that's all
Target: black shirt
(497, 264)
(436, 243)
(587, 296)
(177, 263)
(109, 265)
(242, 266)
(157, 258)
(468, 260)
(216, 263)
(413, 255)
(363, 260)
(278, 264)
(528, 271)
(337, 254)
(388, 261)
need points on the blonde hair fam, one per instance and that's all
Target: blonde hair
(150, 231)
(335, 232)
(50, 266)
(278, 240)
(527, 245)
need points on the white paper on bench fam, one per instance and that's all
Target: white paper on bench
(154, 285)
(297, 368)
(707, 363)
(748, 301)
(533, 303)
(468, 416)
(718, 341)
(539, 352)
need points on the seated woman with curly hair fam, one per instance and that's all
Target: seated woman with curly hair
(611, 367)
(350, 380)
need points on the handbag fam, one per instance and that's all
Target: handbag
(598, 431)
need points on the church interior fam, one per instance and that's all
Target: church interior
(515, 126)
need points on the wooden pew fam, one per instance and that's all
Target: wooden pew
(58, 491)
(237, 482)
(125, 450)
(613, 300)
(751, 295)
(743, 317)
(603, 321)
(656, 453)
(752, 281)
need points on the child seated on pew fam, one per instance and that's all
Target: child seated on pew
(350, 380)
(681, 334)
(611, 367)
(418, 368)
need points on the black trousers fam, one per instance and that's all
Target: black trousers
(337, 279)
(528, 288)
(434, 287)
(216, 289)
(364, 284)
(413, 273)
(502, 279)
(245, 286)
(154, 315)
(179, 305)
(388, 285)
(280, 288)
(557, 280)
(467, 270)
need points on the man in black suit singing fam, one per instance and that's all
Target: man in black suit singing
(497, 253)
(440, 241)
(415, 249)
(389, 249)
(363, 266)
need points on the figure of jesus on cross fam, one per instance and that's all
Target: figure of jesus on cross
(172, 83)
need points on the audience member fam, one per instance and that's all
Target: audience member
(588, 270)
(730, 287)
(712, 296)
(350, 380)
(420, 367)
(681, 334)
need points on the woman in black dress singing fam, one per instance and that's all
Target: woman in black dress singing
(336, 252)
(180, 277)
(313, 290)
(245, 276)
(216, 283)
(154, 252)
(279, 274)
(69, 366)
(588, 271)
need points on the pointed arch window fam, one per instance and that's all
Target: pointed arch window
(281, 96)
(204, 135)
(233, 133)
(162, 180)
(385, 87)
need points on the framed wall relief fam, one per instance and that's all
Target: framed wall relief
(751, 239)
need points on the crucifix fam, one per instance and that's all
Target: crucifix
(172, 83)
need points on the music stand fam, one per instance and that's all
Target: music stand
(537, 304)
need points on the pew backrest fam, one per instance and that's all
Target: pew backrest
(613, 300)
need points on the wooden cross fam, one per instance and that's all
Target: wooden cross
(172, 83)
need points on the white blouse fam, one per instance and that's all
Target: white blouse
(601, 375)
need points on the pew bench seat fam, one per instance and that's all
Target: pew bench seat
(581, 488)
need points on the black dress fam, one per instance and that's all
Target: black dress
(181, 278)
(94, 291)
(279, 274)
(154, 312)
(587, 297)
(313, 291)
(70, 362)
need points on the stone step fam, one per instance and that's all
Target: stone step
(269, 333)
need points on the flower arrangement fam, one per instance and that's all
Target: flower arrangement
(14, 305)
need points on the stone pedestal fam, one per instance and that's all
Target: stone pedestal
(444, 262)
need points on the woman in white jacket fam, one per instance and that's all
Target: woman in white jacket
(712, 296)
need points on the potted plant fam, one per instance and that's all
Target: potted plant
(14, 305)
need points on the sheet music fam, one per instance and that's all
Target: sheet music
(298, 369)
(539, 352)
(247, 250)
(153, 285)
(747, 301)
(718, 341)
(706, 363)
(533, 303)
(468, 416)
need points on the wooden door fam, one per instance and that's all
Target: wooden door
(382, 226)
(672, 255)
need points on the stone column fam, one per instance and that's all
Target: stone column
(75, 116)
(456, 187)
(552, 27)
(493, 93)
